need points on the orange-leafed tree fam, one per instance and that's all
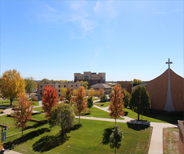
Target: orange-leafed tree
(68, 95)
(117, 105)
(23, 112)
(49, 99)
(79, 102)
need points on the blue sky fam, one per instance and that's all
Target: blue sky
(126, 40)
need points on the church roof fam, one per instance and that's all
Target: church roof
(101, 85)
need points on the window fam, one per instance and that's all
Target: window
(59, 86)
(71, 85)
(40, 91)
(86, 78)
(58, 90)
(59, 94)
(76, 78)
(64, 85)
(40, 86)
(101, 79)
(76, 85)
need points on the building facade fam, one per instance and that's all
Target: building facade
(92, 78)
(57, 86)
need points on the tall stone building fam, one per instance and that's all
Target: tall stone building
(92, 78)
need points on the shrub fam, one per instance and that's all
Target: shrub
(1, 111)
(34, 98)
(110, 95)
(103, 98)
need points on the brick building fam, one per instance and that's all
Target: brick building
(57, 86)
(92, 78)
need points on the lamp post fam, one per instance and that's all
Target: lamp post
(6, 128)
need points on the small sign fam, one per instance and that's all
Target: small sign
(4, 136)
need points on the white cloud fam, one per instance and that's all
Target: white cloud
(50, 8)
(106, 8)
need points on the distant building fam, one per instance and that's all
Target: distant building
(106, 87)
(92, 78)
(57, 86)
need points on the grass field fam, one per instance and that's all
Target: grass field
(171, 141)
(14, 104)
(153, 117)
(94, 112)
(104, 104)
(86, 139)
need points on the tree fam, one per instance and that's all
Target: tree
(49, 99)
(103, 98)
(75, 92)
(68, 95)
(91, 92)
(97, 93)
(63, 92)
(45, 80)
(12, 85)
(101, 90)
(80, 102)
(23, 112)
(136, 81)
(126, 98)
(140, 99)
(63, 116)
(30, 85)
(116, 138)
(85, 84)
(116, 106)
(90, 103)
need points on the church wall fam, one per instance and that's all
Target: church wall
(157, 89)
(177, 91)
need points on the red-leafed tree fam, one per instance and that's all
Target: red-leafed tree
(79, 102)
(117, 105)
(23, 112)
(49, 99)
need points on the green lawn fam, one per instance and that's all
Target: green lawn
(153, 117)
(86, 139)
(14, 104)
(94, 99)
(104, 104)
(94, 112)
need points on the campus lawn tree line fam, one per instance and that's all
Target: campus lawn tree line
(62, 114)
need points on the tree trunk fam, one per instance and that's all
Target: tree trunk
(115, 121)
(138, 116)
(11, 101)
(29, 95)
(22, 131)
(79, 118)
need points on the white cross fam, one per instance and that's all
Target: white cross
(168, 62)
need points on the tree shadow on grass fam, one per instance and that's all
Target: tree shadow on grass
(106, 135)
(126, 113)
(138, 125)
(38, 124)
(47, 143)
(11, 144)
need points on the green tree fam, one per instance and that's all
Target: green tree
(136, 81)
(116, 138)
(30, 85)
(140, 99)
(90, 103)
(63, 116)
(45, 81)
(126, 98)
